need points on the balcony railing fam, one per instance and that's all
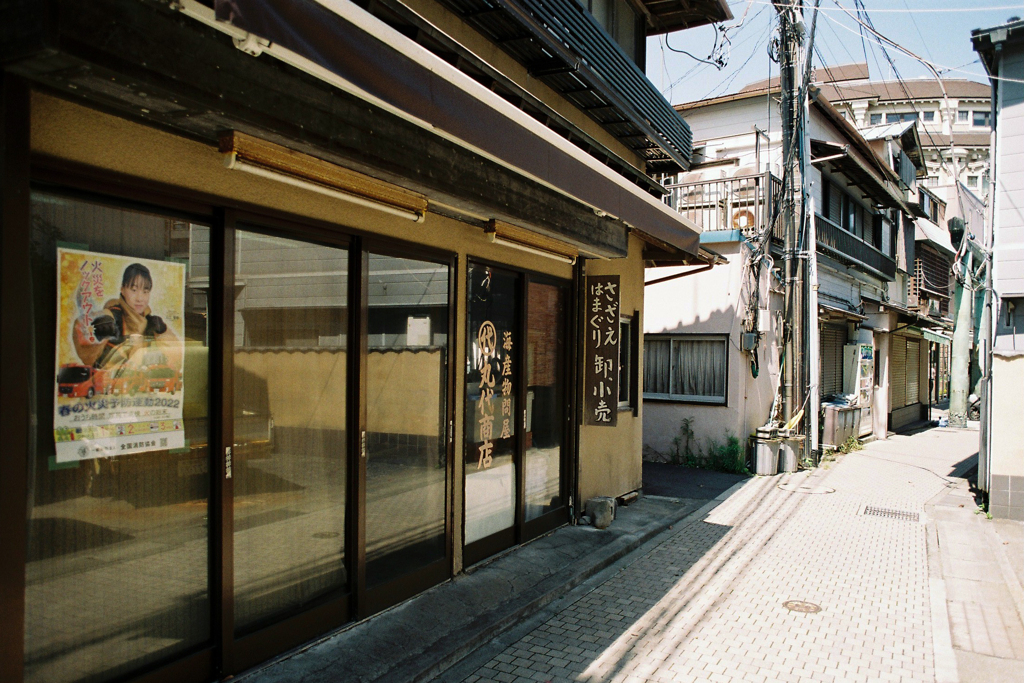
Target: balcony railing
(744, 203)
(847, 247)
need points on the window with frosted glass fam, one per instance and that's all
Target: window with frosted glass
(545, 398)
(118, 544)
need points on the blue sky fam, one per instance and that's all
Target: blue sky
(937, 30)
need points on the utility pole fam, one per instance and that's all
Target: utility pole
(959, 372)
(794, 377)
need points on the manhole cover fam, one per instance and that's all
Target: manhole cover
(801, 606)
(326, 534)
(889, 513)
(804, 488)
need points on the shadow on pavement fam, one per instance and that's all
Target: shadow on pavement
(676, 481)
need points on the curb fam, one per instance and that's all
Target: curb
(461, 643)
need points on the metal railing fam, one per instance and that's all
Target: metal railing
(744, 203)
(848, 247)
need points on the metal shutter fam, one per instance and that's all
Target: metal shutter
(913, 370)
(832, 341)
(898, 376)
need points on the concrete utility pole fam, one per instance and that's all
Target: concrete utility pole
(963, 334)
(791, 34)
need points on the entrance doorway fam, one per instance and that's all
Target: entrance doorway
(517, 410)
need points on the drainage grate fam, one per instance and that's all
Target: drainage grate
(891, 514)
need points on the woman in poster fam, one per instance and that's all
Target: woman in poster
(121, 335)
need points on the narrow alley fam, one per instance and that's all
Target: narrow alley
(875, 567)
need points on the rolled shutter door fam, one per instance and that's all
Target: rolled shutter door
(898, 378)
(913, 371)
(832, 340)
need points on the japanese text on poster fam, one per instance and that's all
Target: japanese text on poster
(601, 390)
(119, 369)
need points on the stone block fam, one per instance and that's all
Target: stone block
(601, 509)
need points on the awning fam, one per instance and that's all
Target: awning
(665, 16)
(854, 169)
(928, 231)
(840, 312)
(936, 338)
(359, 49)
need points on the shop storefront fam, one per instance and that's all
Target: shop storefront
(251, 411)
(296, 327)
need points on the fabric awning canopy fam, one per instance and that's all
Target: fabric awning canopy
(853, 168)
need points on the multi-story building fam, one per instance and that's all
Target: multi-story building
(1001, 471)
(713, 341)
(293, 302)
(953, 118)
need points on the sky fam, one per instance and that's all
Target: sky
(936, 30)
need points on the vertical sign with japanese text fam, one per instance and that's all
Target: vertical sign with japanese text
(601, 361)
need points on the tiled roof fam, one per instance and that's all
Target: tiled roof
(832, 74)
(965, 138)
(917, 89)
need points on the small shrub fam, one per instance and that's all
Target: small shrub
(850, 445)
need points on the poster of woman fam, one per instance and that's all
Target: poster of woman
(120, 352)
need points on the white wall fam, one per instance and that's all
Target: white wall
(1009, 196)
(713, 302)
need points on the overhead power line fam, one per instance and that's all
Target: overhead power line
(922, 10)
(883, 39)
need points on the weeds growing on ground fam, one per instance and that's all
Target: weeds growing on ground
(719, 457)
(850, 445)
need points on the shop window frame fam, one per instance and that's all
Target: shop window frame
(225, 653)
(524, 531)
(710, 401)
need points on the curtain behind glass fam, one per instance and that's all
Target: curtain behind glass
(118, 549)
(290, 368)
(657, 365)
(699, 368)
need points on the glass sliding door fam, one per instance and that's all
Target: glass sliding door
(516, 409)
(492, 433)
(406, 422)
(545, 434)
(290, 406)
(117, 576)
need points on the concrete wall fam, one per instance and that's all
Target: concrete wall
(713, 302)
(610, 457)
(1009, 195)
(1006, 496)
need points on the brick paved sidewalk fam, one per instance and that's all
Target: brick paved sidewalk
(706, 603)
